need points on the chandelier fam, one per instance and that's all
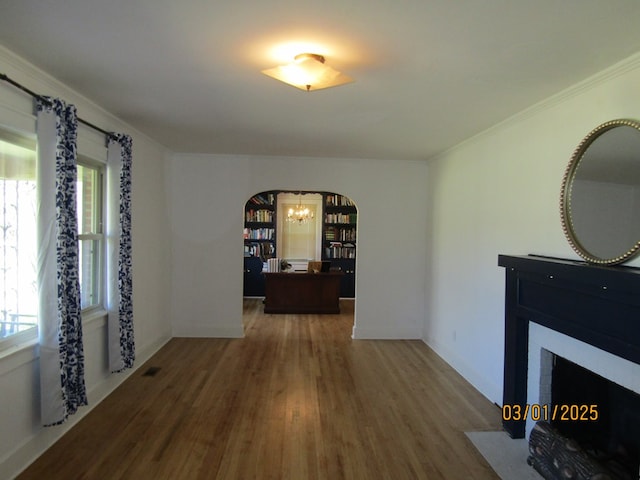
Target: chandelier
(300, 214)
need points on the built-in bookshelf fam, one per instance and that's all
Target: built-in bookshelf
(260, 226)
(339, 227)
(339, 238)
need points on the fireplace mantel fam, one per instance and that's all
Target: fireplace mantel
(594, 304)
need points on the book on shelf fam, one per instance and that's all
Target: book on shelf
(340, 233)
(341, 218)
(263, 199)
(259, 233)
(340, 250)
(262, 250)
(338, 201)
(259, 216)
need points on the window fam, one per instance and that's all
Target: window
(299, 241)
(18, 255)
(18, 238)
(90, 233)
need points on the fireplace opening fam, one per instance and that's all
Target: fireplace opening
(614, 437)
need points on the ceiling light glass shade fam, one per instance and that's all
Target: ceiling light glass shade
(308, 72)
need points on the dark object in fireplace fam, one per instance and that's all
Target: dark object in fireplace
(559, 458)
(613, 437)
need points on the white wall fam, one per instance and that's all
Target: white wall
(499, 193)
(207, 247)
(22, 437)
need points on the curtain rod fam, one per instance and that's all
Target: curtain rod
(40, 97)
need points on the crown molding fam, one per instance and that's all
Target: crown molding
(41, 82)
(616, 70)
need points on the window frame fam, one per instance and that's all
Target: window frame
(97, 307)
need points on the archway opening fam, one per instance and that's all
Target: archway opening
(329, 237)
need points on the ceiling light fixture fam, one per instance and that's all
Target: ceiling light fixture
(308, 72)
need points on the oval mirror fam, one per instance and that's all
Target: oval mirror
(600, 199)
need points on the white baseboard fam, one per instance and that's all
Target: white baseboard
(480, 382)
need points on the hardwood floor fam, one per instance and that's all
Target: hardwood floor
(297, 398)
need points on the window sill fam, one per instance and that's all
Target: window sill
(94, 319)
(17, 355)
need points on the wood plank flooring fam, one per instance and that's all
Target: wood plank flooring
(297, 398)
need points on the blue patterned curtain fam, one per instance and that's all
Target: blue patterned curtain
(61, 350)
(120, 297)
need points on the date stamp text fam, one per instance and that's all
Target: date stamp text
(562, 413)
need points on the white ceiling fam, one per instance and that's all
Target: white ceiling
(428, 73)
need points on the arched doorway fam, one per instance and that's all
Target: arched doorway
(330, 237)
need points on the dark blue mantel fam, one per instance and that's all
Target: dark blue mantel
(594, 304)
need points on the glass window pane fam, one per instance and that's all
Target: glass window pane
(89, 194)
(18, 257)
(89, 272)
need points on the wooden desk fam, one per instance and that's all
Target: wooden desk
(302, 292)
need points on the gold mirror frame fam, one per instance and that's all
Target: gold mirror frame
(565, 196)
